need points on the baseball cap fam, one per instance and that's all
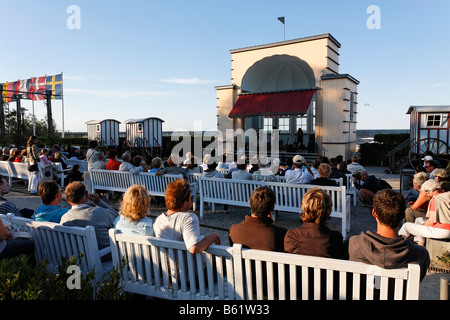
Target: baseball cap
(427, 158)
(298, 159)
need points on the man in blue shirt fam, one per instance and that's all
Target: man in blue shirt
(51, 196)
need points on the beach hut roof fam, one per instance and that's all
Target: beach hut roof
(141, 120)
(429, 109)
(99, 121)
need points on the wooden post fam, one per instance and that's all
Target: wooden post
(49, 116)
(19, 133)
(2, 116)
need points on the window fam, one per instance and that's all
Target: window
(433, 120)
(284, 125)
(302, 122)
(267, 124)
(97, 128)
(140, 127)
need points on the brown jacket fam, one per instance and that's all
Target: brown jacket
(258, 233)
(315, 240)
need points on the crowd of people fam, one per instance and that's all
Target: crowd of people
(398, 240)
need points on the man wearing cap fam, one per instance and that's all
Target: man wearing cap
(430, 168)
(298, 174)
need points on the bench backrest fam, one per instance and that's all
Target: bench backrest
(227, 191)
(116, 180)
(54, 241)
(165, 269)
(82, 163)
(273, 275)
(289, 196)
(18, 170)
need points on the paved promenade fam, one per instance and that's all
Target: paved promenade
(220, 222)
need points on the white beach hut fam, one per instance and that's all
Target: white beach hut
(144, 133)
(106, 132)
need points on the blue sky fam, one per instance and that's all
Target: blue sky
(136, 58)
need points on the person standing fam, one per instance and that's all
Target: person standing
(33, 165)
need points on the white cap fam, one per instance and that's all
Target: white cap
(298, 159)
(427, 158)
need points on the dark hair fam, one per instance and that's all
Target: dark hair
(112, 153)
(262, 201)
(30, 141)
(137, 161)
(75, 191)
(390, 207)
(48, 191)
(93, 144)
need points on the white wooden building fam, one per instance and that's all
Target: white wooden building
(106, 132)
(144, 133)
(289, 85)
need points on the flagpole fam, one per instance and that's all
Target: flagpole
(62, 104)
(34, 123)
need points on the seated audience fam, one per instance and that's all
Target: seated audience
(59, 158)
(298, 174)
(156, 164)
(264, 172)
(192, 165)
(258, 230)
(126, 165)
(100, 216)
(179, 224)
(211, 171)
(430, 168)
(173, 167)
(44, 159)
(241, 172)
(413, 193)
(74, 174)
(99, 162)
(354, 165)
(5, 154)
(315, 168)
(436, 224)
(51, 196)
(12, 247)
(134, 212)
(313, 237)
(343, 167)
(7, 206)
(13, 154)
(336, 173)
(113, 163)
(324, 171)
(386, 248)
(441, 176)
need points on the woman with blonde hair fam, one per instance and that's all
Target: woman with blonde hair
(33, 165)
(134, 209)
(313, 237)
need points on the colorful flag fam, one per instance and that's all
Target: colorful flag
(8, 92)
(37, 88)
(54, 84)
(23, 88)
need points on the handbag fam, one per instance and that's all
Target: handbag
(32, 167)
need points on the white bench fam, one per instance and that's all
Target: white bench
(351, 189)
(18, 170)
(54, 241)
(288, 196)
(116, 180)
(82, 163)
(165, 269)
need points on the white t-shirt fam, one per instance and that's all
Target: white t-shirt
(180, 226)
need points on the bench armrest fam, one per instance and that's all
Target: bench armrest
(105, 251)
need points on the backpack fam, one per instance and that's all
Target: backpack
(384, 184)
